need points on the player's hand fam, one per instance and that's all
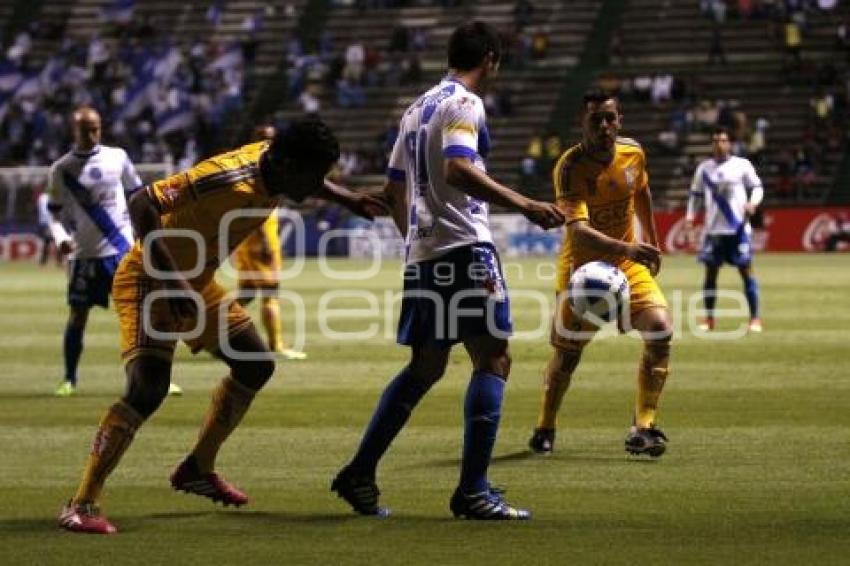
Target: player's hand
(749, 209)
(544, 214)
(369, 205)
(66, 247)
(690, 234)
(645, 254)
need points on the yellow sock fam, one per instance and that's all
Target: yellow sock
(556, 381)
(230, 401)
(271, 321)
(114, 435)
(652, 375)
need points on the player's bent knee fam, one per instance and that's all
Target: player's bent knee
(254, 374)
(147, 385)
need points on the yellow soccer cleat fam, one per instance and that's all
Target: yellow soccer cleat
(65, 389)
(174, 390)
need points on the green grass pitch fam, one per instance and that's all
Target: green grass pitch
(758, 469)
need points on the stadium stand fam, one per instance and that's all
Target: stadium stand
(218, 67)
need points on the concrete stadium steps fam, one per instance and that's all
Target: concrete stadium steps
(666, 37)
(534, 89)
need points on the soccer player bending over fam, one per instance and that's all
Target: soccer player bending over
(601, 185)
(255, 176)
(722, 182)
(454, 290)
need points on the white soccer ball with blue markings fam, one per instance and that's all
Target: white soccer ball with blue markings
(598, 292)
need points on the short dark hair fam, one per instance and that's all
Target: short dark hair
(718, 130)
(598, 96)
(471, 42)
(309, 141)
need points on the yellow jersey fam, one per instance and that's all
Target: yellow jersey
(223, 197)
(601, 194)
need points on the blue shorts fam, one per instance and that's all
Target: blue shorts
(735, 249)
(90, 280)
(459, 295)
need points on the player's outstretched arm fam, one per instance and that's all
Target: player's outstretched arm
(462, 174)
(145, 217)
(362, 204)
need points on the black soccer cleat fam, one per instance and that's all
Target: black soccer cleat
(361, 492)
(542, 441)
(649, 441)
(486, 506)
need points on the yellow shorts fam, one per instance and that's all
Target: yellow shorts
(139, 318)
(571, 332)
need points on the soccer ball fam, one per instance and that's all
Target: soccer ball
(598, 292)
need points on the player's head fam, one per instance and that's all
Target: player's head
(601, 120)
(299, 157)
(264, 132)
(475, 45)
(721, 142)
(85, 121)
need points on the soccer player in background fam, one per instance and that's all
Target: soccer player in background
(439, 189)
(255, 176)
(723, 183)
(258, 260)
(87, 192)
(601, 186)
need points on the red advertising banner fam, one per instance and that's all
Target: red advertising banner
(804, 229)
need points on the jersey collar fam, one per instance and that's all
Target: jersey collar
(83, 154)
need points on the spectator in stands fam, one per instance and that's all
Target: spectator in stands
(793, 43)
(757, 142)
(642, 87)
(523, 13)
(662, 86)
(355, 58)
(716, 50)
(540, 44)
(842, 39)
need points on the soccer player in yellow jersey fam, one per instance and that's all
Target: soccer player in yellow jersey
(166, 284)
(258, 261)
(601, 186)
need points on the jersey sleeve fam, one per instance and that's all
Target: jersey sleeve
(570, 193)
(171, 193)
(643, 174)
(129, 177)
(695, 195)
(397, 167)
(55, 189)
(463, 119)
(753, 183)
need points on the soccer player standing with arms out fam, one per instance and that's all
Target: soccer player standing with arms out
(439, 190)
(166, 284)
(723, 182)
(87, 196)
(601, 186)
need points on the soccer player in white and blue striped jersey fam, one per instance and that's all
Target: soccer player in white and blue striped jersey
(731, 190)
(454, 290)
(88, 188)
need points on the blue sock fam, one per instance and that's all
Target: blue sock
(709, 297)
(751, 289)
(73, 347)
(394, 408)
(482, 410)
